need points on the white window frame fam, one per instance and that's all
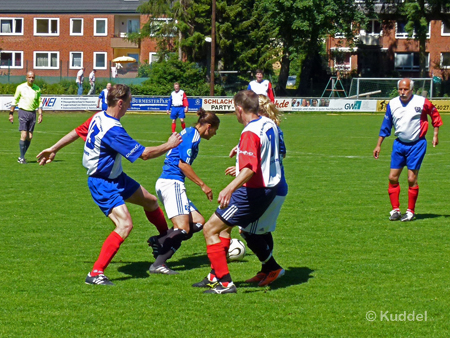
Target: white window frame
(95, 26)
(150, 57)
(372, 23)
(442, 30)
(442, 58)
(413, 67)
(71, 27)
(14, 26)
(49, 60)
(405, 35)
(13, 57)
(95, 60)
(46, 34)
(71, 59)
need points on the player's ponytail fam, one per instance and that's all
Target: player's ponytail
(207, 117)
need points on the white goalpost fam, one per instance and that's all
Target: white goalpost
(387, 87)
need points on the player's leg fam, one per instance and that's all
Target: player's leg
(398, 161)
(182, 116)
(414, 162)
(174, 116)
(217, 255)
(183, 125)
(151, 208)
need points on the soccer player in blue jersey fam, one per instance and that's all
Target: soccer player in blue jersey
(102, 98)
(106, 143)
(408, 114)
(171, 191)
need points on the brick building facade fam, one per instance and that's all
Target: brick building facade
(384, 49)
(56, 38)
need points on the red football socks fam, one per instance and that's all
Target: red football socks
(394, 195)
(183, 125)
(174, 127)
(157, 218)
(109, 250)
(218, 259)
(225, 243)
(413, 193)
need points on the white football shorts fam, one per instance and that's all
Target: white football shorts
(268, 221)
(172, 194)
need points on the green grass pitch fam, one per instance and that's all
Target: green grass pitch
(342, 255)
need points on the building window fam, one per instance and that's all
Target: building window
(11, 26)
(11, 59)
(76, 60)
(374, 28)
(445, 29)
(100, 60)
(153, 57)
(46, 26)
(445, 60)
(100, 27)
(133, 26)
(343, 61)
(46, 60)
(76, 26)
(409, 61)
(401, 33)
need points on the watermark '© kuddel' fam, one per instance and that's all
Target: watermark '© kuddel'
(386, 316)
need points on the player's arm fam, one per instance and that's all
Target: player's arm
(14, 103)
(39, 98)
(185, 103)
(169, 104)
(225, 195)
(152, 152)
(376, 151)
(436, 120)
(190, 173)
(270, 94)
(48, 155)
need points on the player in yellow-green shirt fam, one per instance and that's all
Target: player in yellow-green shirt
(28, 99)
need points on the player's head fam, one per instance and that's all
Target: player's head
(247, 100)
(119, 94)
(405, 89)
(30, 78)
(268, 109)
(207, 123)
(108, 86)
(259, 75)
(176, 86)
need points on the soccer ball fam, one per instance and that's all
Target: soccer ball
(236, 251)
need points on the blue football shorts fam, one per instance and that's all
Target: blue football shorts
(409, 154)
(246, 206)
(111, 193)
(177, 112)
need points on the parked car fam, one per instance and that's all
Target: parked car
(291, 81)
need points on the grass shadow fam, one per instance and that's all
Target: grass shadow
(425, 216)
(293, 276)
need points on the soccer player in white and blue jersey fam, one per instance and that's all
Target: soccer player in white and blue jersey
(408, 114)
(102, 98)
(106, 143)
(171, 191)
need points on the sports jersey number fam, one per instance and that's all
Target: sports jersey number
(271, 135)
(90, 140)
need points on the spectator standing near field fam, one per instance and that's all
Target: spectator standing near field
(79, 80)
(177, 106)
(261, 86)
(103, 97)
(408, 114)
(92, 82)
(27, 98)
(251, 192)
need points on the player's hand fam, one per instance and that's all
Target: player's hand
(435, 141)
(376, 152)
(208, 192)
(46, 156)
(40, 118)
(11, 118)
(224, 198)
(233, 152)
(231, 171)
(168, 112)
(174, 140)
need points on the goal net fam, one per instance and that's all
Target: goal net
(387, 87)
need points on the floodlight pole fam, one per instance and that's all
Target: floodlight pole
(213, 47)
